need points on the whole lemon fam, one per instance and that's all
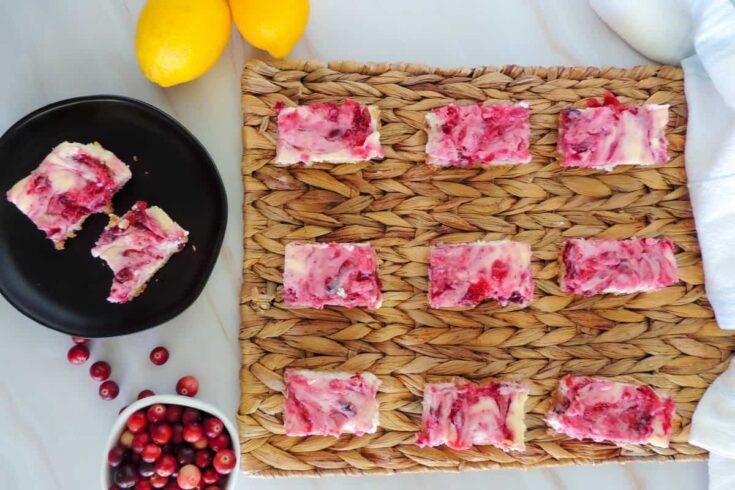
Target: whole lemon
(178, 40)
(272, 25)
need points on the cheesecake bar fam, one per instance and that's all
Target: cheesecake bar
(637, 265)
(338, 274)
(327, 132)
(136, 246)
(601, 410)
(461, 136)
(609, 134)
(73, 182)
(463, 415)
(466, 274)
(330, 403)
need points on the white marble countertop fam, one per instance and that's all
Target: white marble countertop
(52, 423)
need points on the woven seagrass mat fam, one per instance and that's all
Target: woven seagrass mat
(667, 339)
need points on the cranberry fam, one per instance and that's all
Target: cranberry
(210, 476)
(79, 340)
(143, 485)
(203, 458)
(166, 465)
(125, 476)
(172, 485)
(177, 433)
(224, 461)
(126, 438)
(190, 415)
(211, 487)
(189, 477)
(202, 443)
(156, 413)
(109, 390)
(193, 432)
(213, 427)
(78, 355)
(159, 356)
(115, 456)
(151, 452)
(140, 441)
(219, 442)
(187, 386)
(122, 409)
(158, 481)
(173, 413)
(137, 422)
(185, 455)
(161, 433)
(145, 394)
(146, 470)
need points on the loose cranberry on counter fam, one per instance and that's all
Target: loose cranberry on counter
(79, 354)
(219, 442)
(213, 427)
(115, 456)
(140, 441)
(137, 422)
(159, 356)
(109, 390)
(166, 465)
(146, 470)
(224, 461)
(158, 481)
(151, 452)
(125, 476)
(100, 371)
(189, 477)
(79, 340)
(156, 413)
(161, 433)
(126, 438)
(173, 413)
(193, 432)
(143, 485)
(187, 386)
(190, 415)
(203, 458)
(210, 476)
(185, 455)
(145, 394)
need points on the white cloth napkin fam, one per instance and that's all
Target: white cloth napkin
(700, 34)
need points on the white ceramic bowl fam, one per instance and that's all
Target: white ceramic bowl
(119, 426)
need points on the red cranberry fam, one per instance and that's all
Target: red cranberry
(156, 413)
(177, 433)
(187, 386)
(189, 477)
(100, 371)
(161, 433)
(140, 441)
(224, 461)
(79, 354)
(159, 356)
(146, 470)
(158, 481)
(145, 394)
(203, 458)
(219, 442)
(190, 415)
(202, 443)
(79, 340)
(151, 452)
(137, 422)
(109, 390)
(125, 476)
(115, 456)
(166, 465)
(210, 476)
(193, 432)
(211, 487)
(185, 455)
(126, 438)
(213, 427)
(143, 485)
(172, 485)
(173, 413)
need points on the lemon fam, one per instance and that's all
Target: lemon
(272, 25)
(178, 40)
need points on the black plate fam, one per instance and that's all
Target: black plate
(66, 290)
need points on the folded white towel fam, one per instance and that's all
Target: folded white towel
(701, 35)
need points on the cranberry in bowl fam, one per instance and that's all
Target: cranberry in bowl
(171, 441)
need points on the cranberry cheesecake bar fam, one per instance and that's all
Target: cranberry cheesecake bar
(466, 274)
(136, 246)
(338, 274)
(463, 415)
(602, 410)
(461, 136)
(73, 182)
(609, 134)
(327, 132)
(637, 265)
(330, 403)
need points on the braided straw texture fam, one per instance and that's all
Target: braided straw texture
(667, 339)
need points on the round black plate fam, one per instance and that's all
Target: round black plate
(67, 290)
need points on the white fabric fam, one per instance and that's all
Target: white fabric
(700, 34)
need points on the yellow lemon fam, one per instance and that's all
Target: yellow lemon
(178, 40)
(272, 25)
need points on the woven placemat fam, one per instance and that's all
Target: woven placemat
(667, 339)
